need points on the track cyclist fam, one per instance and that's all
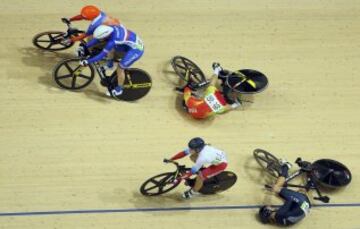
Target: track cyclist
(118, 39)
(201, 154)
(213, 100)
(97, 18)
(295, 208)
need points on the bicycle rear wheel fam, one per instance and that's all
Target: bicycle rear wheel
(330, 173)
(68, 74)
(219, 183)
(267, 161)
(159, 184)
(188, 70)
(136, 85)
(51, 41)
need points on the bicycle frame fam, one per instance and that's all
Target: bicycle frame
(179, 168)
(310, 183)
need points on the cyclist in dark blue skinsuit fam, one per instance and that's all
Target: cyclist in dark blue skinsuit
(295, 208)
(118, 39)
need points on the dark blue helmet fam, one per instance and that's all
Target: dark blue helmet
(265, 214)
(196, 144)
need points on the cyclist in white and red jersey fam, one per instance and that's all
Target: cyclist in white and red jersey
(202, 155)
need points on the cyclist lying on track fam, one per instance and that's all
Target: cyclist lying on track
(97, 18)
(213, 102)
(201, 154)
(118, 39)
(295, 208)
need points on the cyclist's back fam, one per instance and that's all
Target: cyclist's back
(212, 103)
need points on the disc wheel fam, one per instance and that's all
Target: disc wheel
(219, 183)
(51, 41)
(267, 161)
(136, 85)
(330, 173)
(159, 184)
(68, 74)
(187, 70)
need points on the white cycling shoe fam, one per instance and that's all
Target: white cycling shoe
(284, 162)
(189, 194)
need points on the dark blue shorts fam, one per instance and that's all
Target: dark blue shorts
(130, 56)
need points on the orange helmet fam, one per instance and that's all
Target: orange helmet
(90, 12)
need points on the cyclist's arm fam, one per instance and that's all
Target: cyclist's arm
(92, 42)
(94, 24)
(278, 185)
(180, 155)
(199, 163)
(213, 80)
(79, 37)
(76, 18)
(232, 106)
(109, 46)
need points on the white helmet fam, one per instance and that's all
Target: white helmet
(103, 31)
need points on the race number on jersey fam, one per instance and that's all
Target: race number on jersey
(305, 207)
(213, 103)
(139, 43)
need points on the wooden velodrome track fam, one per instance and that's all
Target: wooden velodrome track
(80, 158)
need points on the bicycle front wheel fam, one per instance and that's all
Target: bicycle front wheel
(68, 74)
(159, 184)
(267, 161)
(187, 70)
(51, 41)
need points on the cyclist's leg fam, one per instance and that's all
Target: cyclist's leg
(205, 174)
(198, 184)
(129, 58)
(212, 170)
(280, 182)
(291, 195)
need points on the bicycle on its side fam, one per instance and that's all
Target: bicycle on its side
(245, 81)
(321, 175)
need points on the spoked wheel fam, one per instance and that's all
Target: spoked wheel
(68, 74)
(188, 70)
(331, 174)
(51, 41)
(136, 85)
(219, 183)
(159, 184)
(267, 161)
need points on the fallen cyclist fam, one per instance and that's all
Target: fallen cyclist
(296, 207)
(213, 101)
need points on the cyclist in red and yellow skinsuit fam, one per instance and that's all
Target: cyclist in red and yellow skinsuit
(213, 101)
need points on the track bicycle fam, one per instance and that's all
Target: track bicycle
(165, 182)
(321, 175)
(244, 81)
(70, 75)
(56, 40)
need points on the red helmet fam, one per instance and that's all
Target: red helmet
(90, 12)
